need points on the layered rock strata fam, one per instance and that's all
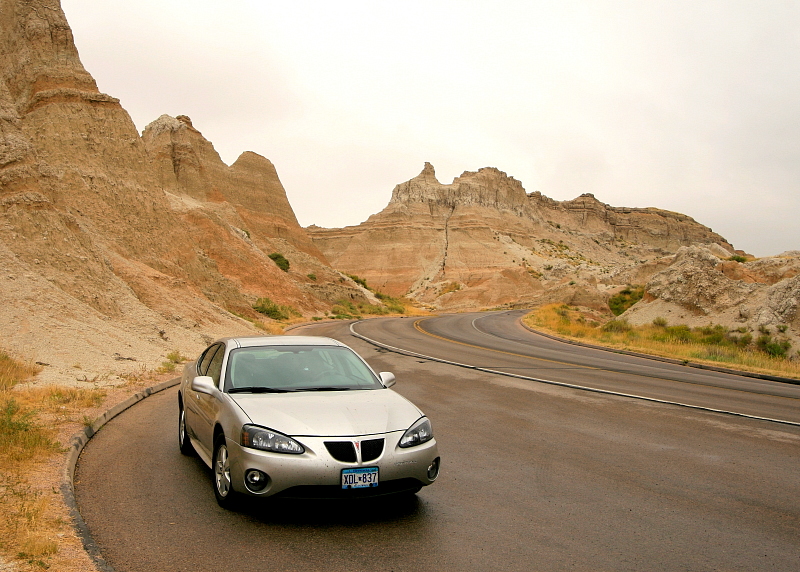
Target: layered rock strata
(482, 241)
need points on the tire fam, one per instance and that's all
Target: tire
(223, 488)
(184, 442)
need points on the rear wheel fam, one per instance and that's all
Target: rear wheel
(223, 488)
(183, 438)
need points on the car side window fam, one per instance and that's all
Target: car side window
(205, 359)
(215, 367)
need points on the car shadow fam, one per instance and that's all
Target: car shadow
(332, 512)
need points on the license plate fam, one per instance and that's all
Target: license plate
(361, 478)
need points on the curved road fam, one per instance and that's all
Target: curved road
(535, 476)
(498, 342)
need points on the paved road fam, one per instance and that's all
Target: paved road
(497, 341)
(535, 477)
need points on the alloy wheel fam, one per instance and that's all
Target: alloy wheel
(222, 471)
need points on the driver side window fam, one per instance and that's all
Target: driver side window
(215, 367)
(205, 359)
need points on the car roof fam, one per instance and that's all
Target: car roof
(256, 341)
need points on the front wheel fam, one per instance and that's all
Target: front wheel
(183, 439)
(223, 488)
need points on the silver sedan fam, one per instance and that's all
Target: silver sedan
(301, 417)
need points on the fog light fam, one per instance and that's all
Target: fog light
(256, 481)
(433, 469)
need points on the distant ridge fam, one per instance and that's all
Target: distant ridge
(483, 241)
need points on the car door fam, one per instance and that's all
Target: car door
(208, 405)
(196, 416)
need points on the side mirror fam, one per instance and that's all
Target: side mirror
(204, 384)
(387, 378)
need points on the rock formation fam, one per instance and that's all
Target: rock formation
(700, 289)
(114, 245)
(482, 241)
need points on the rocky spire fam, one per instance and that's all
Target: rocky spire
(487, 187)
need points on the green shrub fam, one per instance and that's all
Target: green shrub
(679, 333)
(280, 261)
(617, 326)
(394, 305)
(775, 348)
(275, 311)
(563, 314)
(625, 299)
(660, 322)
(176, 357)
(359, 281)
(713, 335)
(345, 310)
(312, 277)
(737, 258)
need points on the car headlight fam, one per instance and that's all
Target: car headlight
(267, 440)
(420, 432)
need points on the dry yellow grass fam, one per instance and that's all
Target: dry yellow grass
(35, 425)
(582, 325)
(28, 533)
(13, 371)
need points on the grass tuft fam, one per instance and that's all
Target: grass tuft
(13, 371)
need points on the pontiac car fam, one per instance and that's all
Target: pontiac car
(305, 417)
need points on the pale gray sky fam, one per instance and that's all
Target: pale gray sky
(689, 106)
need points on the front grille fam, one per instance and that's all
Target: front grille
(341, 451)
(371, 449)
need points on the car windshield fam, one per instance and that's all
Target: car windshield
(279, 369)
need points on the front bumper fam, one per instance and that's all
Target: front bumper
(316, 473)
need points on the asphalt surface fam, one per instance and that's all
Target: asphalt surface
(497, 341)
(535, 476)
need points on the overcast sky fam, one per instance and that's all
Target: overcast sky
(689, 106)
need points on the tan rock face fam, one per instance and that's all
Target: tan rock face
(114, 244)
(499, 245)
(188, 164)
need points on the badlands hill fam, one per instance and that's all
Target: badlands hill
(116, 248)
(699, 289)
(482, 241)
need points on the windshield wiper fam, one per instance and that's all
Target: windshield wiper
(258, 389)
(325, 389)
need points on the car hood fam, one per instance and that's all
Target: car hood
(329, 414)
